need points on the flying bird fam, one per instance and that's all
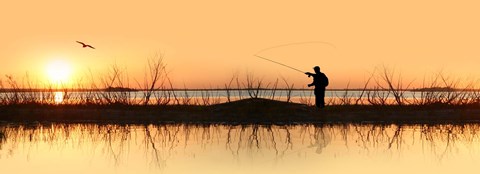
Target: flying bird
(85, 45)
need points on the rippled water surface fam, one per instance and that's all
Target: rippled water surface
(95, 148)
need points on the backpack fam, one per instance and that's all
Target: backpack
(324, 80)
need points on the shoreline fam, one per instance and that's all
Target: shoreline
(247, 111)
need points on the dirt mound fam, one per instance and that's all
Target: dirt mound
(262, 108)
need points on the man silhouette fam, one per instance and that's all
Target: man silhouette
(320, 81)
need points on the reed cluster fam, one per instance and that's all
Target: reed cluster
(385, 87)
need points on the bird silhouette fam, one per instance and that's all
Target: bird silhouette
(85, 45)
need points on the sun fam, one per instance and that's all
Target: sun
(58, 71)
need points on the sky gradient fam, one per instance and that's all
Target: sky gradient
(206, 42)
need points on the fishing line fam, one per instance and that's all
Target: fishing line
(290, 44)
(296, 43)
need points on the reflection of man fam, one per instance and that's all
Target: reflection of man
(320, 81)
(322, 139)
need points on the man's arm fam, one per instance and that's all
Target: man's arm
(309, 74)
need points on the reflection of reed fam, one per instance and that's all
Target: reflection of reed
(257, 137)
(444, 138)
(161, 142)
(114, 138)
(376, 136)
(3, 138)
(437, 139)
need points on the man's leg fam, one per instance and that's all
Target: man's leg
(321, 99)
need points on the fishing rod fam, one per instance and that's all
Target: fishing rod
(280, 64)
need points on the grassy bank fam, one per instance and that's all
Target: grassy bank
(248, 111)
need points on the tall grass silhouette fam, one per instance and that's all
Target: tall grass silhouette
(384, 87)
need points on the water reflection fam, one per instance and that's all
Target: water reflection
(171, 147)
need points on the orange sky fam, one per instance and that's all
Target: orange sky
(205, 42)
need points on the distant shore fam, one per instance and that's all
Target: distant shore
(247, 111)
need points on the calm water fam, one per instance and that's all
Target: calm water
(94, 148)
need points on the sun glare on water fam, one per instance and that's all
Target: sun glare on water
(58, 97)
(58, 71)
